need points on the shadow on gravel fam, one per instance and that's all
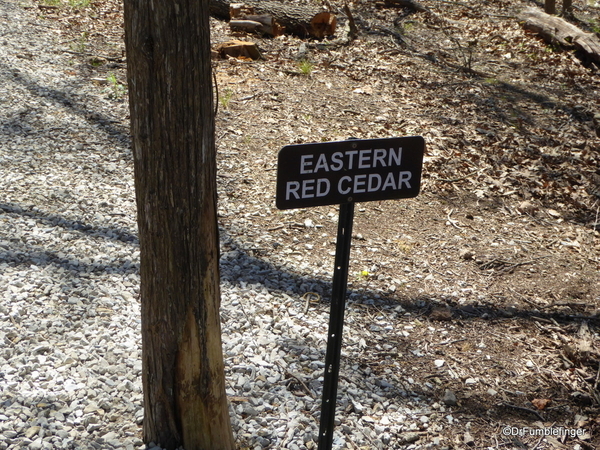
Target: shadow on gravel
(240, 267)
(244, 267)
(18, 253)
(105, 123)
(116, 234)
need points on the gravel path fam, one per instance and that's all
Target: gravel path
(69, 315)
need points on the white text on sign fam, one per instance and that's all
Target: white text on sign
(348, 185)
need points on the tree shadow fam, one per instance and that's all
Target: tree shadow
(247, 267)
(119, 134)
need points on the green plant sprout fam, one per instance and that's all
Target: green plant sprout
(306, 67)
(79, 4)
(225, 99)
(81, 44)
(117, 90)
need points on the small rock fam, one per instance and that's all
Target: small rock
(449, 398)
(31, 432)
(526, 207)
(466, 254)
(109, 436)
(468, 439)
(302, 53)
(358, 408)
(441, 313)
(408, 438)
(36, 445)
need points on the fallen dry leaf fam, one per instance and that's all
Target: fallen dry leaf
(541, 403)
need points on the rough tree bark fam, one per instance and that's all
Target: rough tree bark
(550, 6)
(172, 127)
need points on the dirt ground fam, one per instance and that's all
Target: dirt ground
(496, 261)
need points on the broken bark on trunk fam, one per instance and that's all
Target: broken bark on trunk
(302, 21)
(555, 30)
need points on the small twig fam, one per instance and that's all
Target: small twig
(453, 180)
(525, 299)
(538, 443)
(457, 3)
(214, 74)
(15, 323)
(352, 24)
(307, 297)
(288, 373)
(452, 221)
(449, 342)
(542, 319)
(108, 58)
(512, 267)
(522, 408)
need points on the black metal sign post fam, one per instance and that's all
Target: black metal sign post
(336, 325)
(342, 173)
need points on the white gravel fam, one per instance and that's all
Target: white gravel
(69, 310)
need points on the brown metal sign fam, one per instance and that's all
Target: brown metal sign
(339, 172)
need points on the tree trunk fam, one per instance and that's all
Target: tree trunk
(558, 31)
(302, 21)
(550, 6)
(172, 127)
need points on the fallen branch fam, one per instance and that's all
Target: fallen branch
(557, 31)
(352, 28)
(522, 408)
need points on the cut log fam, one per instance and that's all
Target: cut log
(410, 4)
(303, 21)
(238, 49)
(239, 10)
(249, 26)
(263, 24)
(243, 18)
(557, 31)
